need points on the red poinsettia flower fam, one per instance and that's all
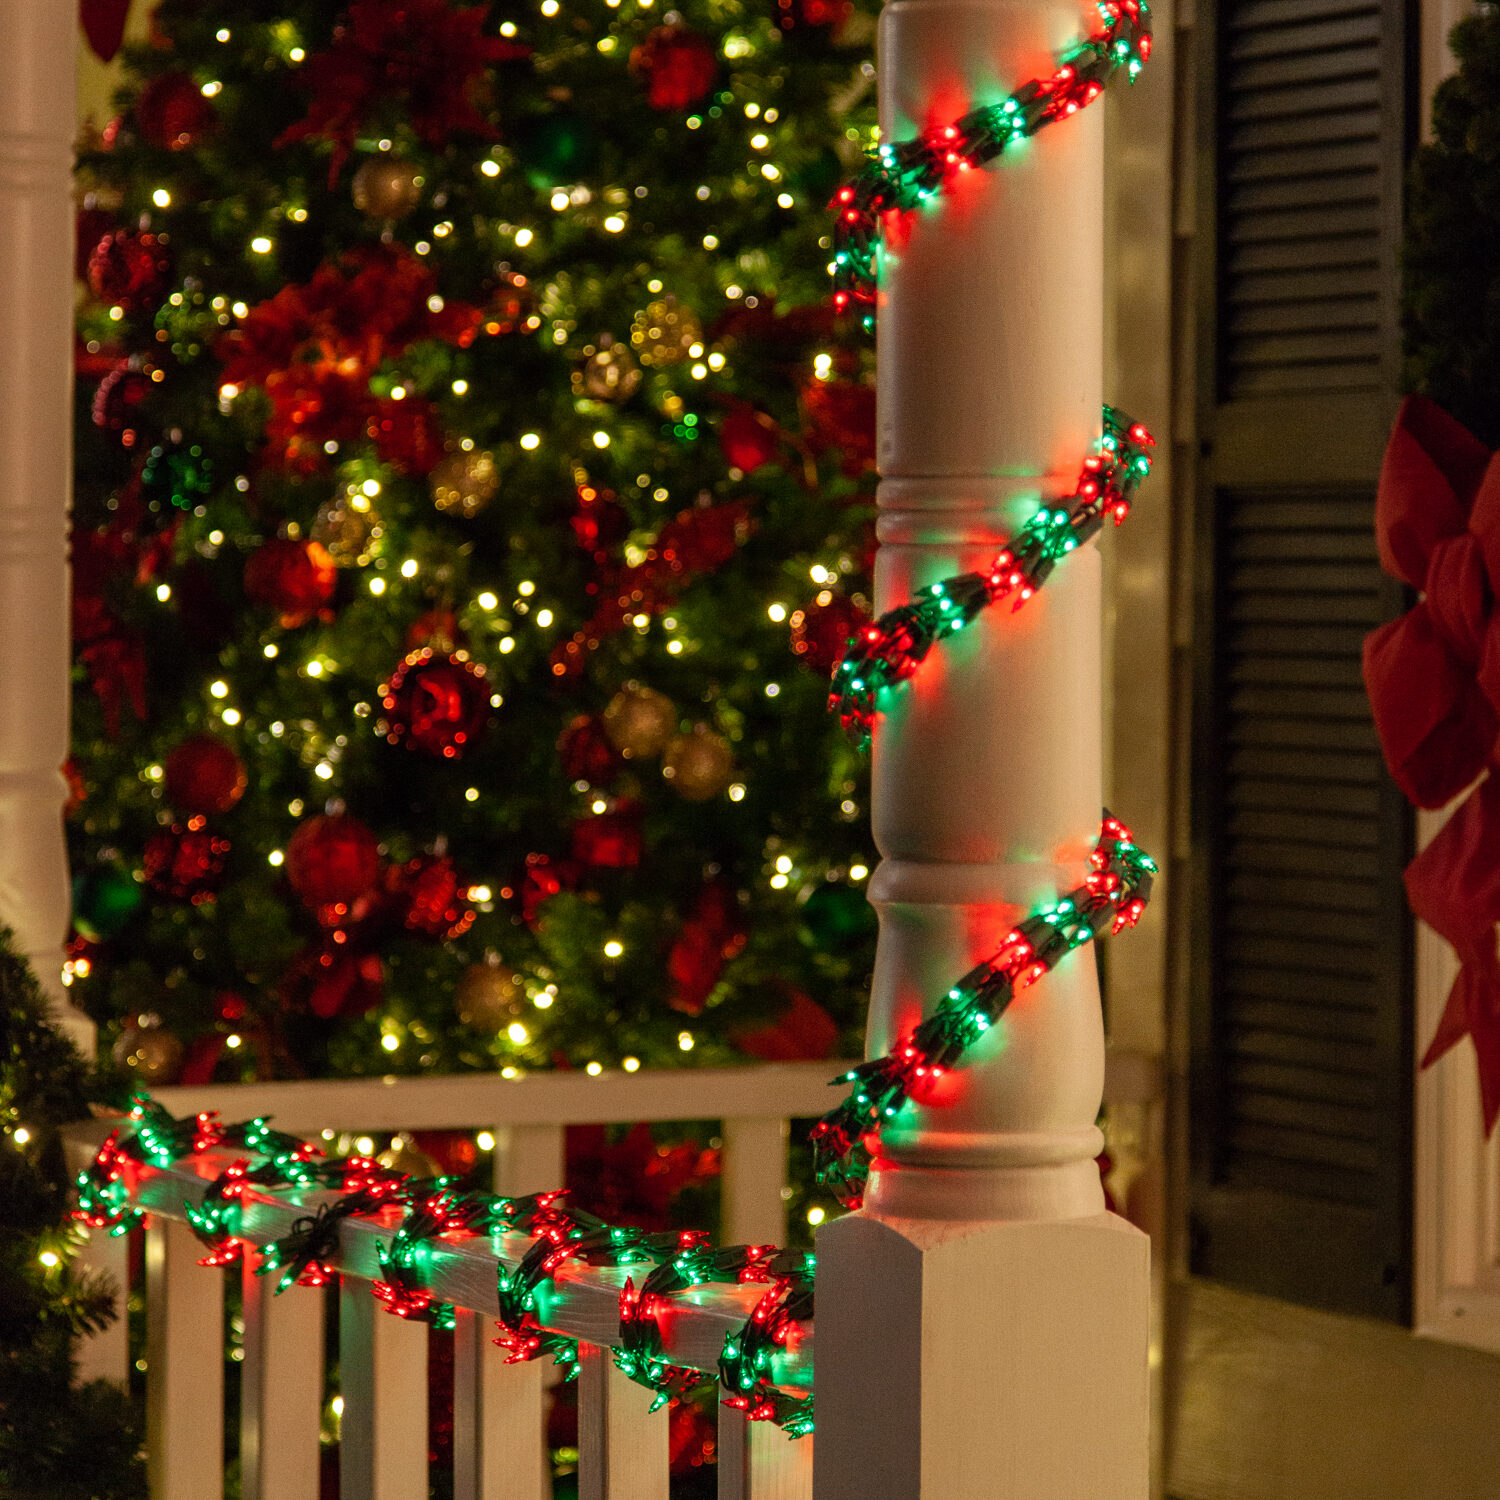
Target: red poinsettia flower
(312, 405)
(423, 53)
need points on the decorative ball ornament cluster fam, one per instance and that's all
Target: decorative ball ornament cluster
(464, 483)
(331, 860)
(348, 528)
(295, 578)
(699, 764)
(203, 776)
(385, 187)
(903, 175)
(129, 269)
(489, 996)
(185, 861)
(665, 332)
(639, 721)
(436, 703)
(270, 1162)
(611, 373)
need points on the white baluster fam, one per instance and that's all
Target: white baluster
(36, 481)
(754, 1175)
(281, 1389)
(528, 1159)
(982, 1325)
(623, 1452)
(502, 1429)
(106, 1355)
(757, 1461)
(383, 1374)
(184, 1367)
(499, 1438)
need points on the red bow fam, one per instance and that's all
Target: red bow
(1433, 677)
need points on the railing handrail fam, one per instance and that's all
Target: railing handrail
(583, 1301)
(442, 1102)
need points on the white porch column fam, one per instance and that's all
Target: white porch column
(37, 44)
(982, 1324)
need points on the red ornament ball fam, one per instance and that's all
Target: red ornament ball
(203, 775)
(185, 862)
(129, 269)
(332, 860)
(821, 630)
(438, 703)
(749, 439)
(545, 878)
(677, 66)
(90, 226)
(172, 112)
(117, 401)
(295, 578)
(436, 899)
(586, 752)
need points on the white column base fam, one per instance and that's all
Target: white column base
(983, 1361)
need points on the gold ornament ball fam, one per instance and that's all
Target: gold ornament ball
(665, 332)
(402, 1155)
(489, 997)
(348, 525)
(698, 764)
(463, 483)
(152, 1053)
(611, 373)
(639, 721)
(386, 187)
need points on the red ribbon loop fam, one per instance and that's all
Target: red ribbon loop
(1433, 678)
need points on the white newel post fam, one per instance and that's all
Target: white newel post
(982, 1324)
(37, 42)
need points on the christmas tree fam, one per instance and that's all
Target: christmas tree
(57, 1440)
(474, 495)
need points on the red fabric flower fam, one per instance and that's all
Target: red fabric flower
(369, 305)
(840, 414)
(295, 578)
(172, 113)
(804, 1031)
(408, 434)
(586, 752)
(425, 54)
(1433, 677)
(749, 438)
(677, 65)
(713, 933)
(610, 840)
(633, 1180)
(434, 897)
(696, 541)
(313, 405)
(545, 878)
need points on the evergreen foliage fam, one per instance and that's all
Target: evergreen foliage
(262, 356)
(56, 1442)
(1451, 255)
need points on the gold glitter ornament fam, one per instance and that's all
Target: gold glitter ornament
(348, 526)
(698, 764)
(665, 332)
(639, 721)
(611, 373)
(152, 1053)
(403, 1155)
(386, 187)
(489, 996)
(463, 483)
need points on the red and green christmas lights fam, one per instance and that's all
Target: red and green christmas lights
(1112, 897)
(894, 646)
(308, 1255)
(903, 175)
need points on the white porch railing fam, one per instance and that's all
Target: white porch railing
(499, 1409)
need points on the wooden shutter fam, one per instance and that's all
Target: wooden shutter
(1301, 962)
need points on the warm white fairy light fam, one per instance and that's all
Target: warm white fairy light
(377, 586)
(526, 588)
(857, 872)
(275, 857)
(630, 1064)
(613, 948)
(594, 1069)
(219, 689)
(409, 568)
(518, 1033)
(485, 1141)
(261, 245)
(530, 441)
(162, 198)
(523, 237)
